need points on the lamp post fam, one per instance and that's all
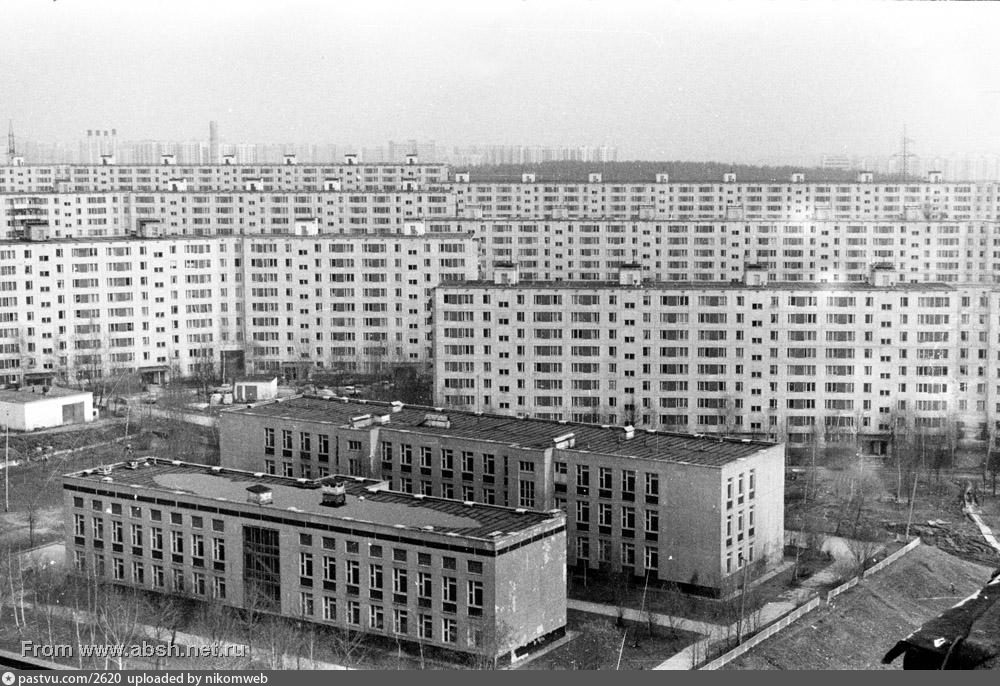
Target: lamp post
(6, 468)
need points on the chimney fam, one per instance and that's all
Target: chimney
(259, 494)
(335, 495)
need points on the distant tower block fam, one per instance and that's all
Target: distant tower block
(213, 142)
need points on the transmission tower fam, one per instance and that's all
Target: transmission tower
(11, 151)
(904, 156)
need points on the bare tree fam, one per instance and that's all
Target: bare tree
(118, 619)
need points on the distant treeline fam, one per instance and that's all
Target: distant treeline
(627, 172)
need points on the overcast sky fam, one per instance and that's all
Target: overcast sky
(727, 81)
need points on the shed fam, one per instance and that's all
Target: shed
(42, 407)
(253, 388)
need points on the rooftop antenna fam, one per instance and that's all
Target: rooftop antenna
(904, 156)
(11, 151)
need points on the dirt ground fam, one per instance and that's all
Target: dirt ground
(641, 651)
(936, 515)
(866, 621)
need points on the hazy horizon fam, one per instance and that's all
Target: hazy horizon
(735, 82)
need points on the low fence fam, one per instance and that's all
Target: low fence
(892, 558)
(762, 635)
(777, 626)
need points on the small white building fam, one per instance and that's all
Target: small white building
(38, 408)
(250, 389)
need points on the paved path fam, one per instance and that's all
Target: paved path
(985, 530)
(669, 621)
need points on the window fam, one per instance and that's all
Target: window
(628, 484)
(218, 587)
(219, 549)
(353, 572)
(425, 626)
(449, 630)
(306, 566)
(329, 609)
(376, 617)
(652, 522)
(177, 542)
(475, 598)
(449, 593)
(604, 477)
(628, 555)
(628, 519)
(306, 608)
(354, 612)
(399, 621)
(526, 493)
(652, 487)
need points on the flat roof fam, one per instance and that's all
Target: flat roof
(367, 500)
(702, 285)
(683, 448)
(30, 396)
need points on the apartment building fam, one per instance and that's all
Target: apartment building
(695, 510)
(79, 308)
(844, 363)
(269, 178)
(180, 212)
(822, 251)
(341, 551)
(344, 198)
(794, 200)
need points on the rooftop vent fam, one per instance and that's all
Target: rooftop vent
(565, 441)
(335, 495)
(361, 421)
(427, 528)
(468, 503)
(106, 480)
(436, 419)
(397, 406)
(132, 464)
(216, 469)
(629, 432)
(520, 510)
(259, 494)
(104, 469)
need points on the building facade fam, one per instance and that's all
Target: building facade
(342, 551)
(836, 364)
(75, 309)
(694, 510)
